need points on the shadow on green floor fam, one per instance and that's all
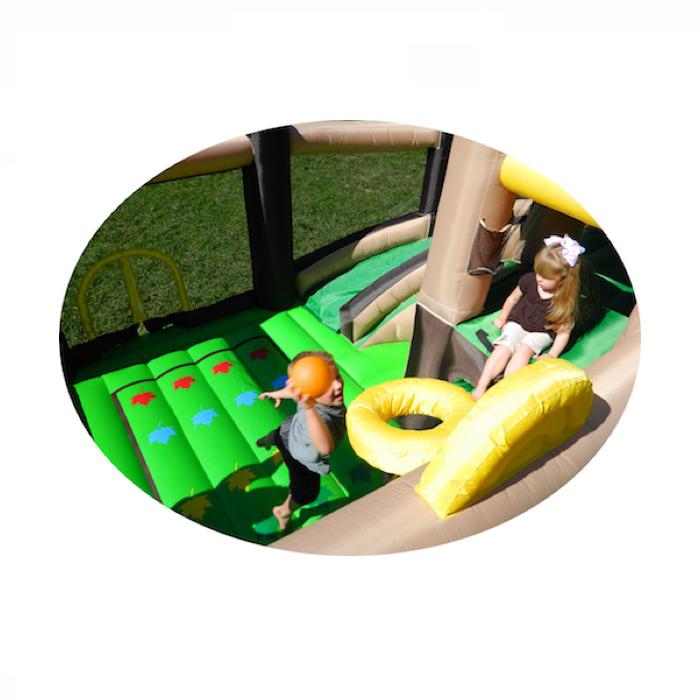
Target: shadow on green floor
(241, 505)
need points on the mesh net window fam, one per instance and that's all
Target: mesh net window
(335, 195)
(199, 222)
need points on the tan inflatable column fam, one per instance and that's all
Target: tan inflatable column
(451, 293)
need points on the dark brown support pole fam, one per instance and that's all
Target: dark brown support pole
(435, 167)
(268, 200)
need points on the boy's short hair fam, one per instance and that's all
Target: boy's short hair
(314, 353)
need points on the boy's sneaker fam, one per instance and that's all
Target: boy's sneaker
(267, 441)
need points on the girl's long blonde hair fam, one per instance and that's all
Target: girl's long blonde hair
(550, 264)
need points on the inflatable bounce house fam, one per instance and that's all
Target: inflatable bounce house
(406, 308)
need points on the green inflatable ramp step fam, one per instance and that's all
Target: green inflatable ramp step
(338, 345)
(227, 375)
(166, 455)
(288, 335)
(297, 331)
(109, 432)
(375, 364)
(214, 437)
(184, 425)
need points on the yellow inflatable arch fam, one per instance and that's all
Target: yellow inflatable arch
(480, 444)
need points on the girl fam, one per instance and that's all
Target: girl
(539, 312)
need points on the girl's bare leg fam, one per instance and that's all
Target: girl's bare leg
(493, 367)
(521, 357)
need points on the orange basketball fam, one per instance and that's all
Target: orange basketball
(311, 375)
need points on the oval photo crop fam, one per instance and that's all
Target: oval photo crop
(349, 337)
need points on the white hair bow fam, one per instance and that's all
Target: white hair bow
(570, 248)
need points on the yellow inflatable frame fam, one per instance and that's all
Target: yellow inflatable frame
(522, 180)
(138, 312)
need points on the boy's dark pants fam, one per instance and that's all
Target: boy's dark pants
(304, 485)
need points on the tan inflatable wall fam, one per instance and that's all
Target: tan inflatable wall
(399, 328)
(386, 302)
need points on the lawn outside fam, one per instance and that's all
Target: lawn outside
(200, 222)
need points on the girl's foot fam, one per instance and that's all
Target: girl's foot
(478, 393)
(282, 515)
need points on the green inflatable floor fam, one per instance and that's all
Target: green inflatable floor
(181, 414)
(183, 425)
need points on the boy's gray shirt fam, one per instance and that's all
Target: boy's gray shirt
(294, 432)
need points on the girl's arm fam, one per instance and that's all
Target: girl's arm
(510, 302)
(560, 341)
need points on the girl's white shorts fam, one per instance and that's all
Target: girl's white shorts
(513, 334)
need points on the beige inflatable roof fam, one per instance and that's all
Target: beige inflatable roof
(309, 138)
(227, 155)
(360, 137)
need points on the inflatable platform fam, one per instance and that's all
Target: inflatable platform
(411, 299)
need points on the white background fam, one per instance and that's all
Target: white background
(591, 594)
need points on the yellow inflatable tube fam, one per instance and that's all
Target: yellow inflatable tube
(399, 451)
(520, 179)
(521, 418)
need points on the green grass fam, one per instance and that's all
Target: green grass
(201, 223)
(333, 195)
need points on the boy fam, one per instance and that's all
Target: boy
(307, 438)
